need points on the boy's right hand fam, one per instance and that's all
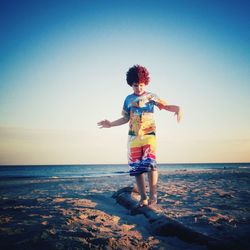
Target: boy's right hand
(104, 124)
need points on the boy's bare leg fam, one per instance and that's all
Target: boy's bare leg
(140, 181)
(152, 180)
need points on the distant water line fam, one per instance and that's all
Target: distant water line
(78, 171)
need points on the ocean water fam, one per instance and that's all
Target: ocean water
(76, 171)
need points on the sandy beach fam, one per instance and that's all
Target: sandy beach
(80, 213)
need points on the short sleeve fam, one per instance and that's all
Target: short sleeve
(125, 109)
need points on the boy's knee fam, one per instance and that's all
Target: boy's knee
(153, 167)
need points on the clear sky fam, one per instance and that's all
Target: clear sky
(63, 66)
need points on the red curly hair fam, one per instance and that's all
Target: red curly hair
(137, 74)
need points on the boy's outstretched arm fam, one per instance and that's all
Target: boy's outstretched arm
(109, 124)
(176, 109)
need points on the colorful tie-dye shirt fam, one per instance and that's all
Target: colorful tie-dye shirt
(139, 110)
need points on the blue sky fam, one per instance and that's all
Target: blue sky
(63, 66)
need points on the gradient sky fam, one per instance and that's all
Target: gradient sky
(63, 66)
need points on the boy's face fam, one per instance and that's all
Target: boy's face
(139, 88)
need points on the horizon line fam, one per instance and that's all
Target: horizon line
(103, 164)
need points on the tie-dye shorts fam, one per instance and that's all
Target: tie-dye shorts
(141, 154)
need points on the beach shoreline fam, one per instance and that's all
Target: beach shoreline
(56, 213)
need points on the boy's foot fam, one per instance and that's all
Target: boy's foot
(142, 203)
(153, 200)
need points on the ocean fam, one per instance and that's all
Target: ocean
(78, 171)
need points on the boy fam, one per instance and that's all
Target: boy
(138, 110)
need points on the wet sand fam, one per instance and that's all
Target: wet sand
(80, 213)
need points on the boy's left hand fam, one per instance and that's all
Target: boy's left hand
(179, 115)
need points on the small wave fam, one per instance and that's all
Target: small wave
(105, 174)
(13, 177)
(121, 172)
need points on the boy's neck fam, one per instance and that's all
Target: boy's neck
(140, 94)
